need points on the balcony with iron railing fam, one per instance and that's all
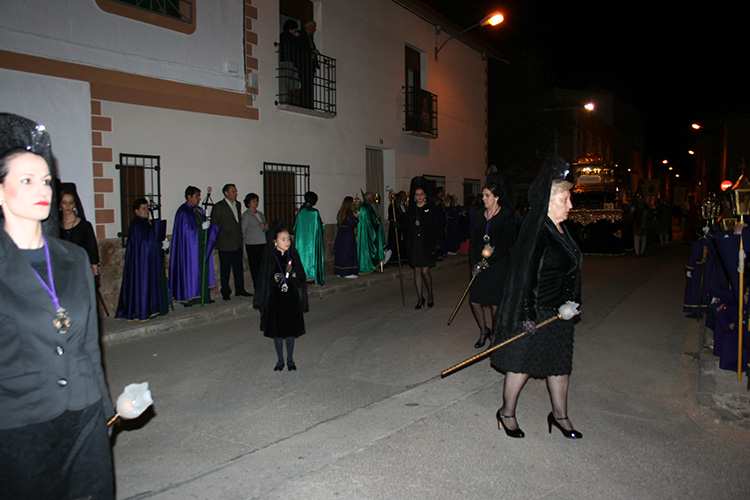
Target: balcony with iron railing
(420, 113)
(307, 81)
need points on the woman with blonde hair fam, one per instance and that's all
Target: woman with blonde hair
(545, 273)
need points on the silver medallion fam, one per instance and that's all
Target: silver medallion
(61, 321)
(284, 287)
(486, 238)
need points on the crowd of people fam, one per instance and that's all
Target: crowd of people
(54, 439)
(714, 278)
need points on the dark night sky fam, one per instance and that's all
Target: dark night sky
(677, 63)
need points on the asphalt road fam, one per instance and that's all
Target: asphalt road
(367, 416)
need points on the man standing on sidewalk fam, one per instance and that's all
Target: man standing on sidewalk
(226, 214)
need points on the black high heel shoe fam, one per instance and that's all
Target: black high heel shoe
(420, 303)
(552, 420)
(514, 433)
(482, 338)
(279, 366)
(291, 366)
(430, 300)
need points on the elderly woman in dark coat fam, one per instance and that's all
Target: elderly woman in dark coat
(545, 274)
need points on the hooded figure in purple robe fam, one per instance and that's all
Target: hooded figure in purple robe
(143, 291)
(191, 268)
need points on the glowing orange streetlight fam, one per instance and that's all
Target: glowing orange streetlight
(491, 20)
(589, 106)
(696, 126)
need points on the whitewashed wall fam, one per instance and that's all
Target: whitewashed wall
(366, 37)
(78, 31)
(64, 108)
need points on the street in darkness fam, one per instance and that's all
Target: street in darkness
(367, 416)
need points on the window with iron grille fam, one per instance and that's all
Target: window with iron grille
(434, 182)
(140, 177)
(471, 187)
(284, 188)
(420, 112)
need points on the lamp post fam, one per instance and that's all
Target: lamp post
(492, 20)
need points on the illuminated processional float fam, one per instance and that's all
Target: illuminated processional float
(596, 221)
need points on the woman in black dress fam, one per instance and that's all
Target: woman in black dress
(423, 228)
(493, 230)
(75, 228)
(545, 273)
(281, 296)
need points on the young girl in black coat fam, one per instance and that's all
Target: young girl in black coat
(281, 295)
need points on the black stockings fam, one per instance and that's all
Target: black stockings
(512, 386)
(423, 278)
(557, 386)
(478, 311)
(278, 342)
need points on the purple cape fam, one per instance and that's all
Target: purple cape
(185, 267)
(141, 294)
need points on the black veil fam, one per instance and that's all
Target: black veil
(522, 263)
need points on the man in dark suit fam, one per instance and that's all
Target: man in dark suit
(308, 64)
(226, 214)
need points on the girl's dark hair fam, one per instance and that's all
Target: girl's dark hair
(346, 208)
(290, 24)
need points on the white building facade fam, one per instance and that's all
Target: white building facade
(196, 91)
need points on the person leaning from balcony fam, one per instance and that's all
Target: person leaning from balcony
(281, 295)
(544, 273)
(308, 63)
(345, 261)
(226, 215)
(75, 228)
(191, 266)
(422, 227)
(143, 289)
(254, 228)
(289, 54)
(493, 233)
(308, 239)
(54, 442)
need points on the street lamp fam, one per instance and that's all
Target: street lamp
(492, 20)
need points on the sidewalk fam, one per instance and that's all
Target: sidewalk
(116, 330)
